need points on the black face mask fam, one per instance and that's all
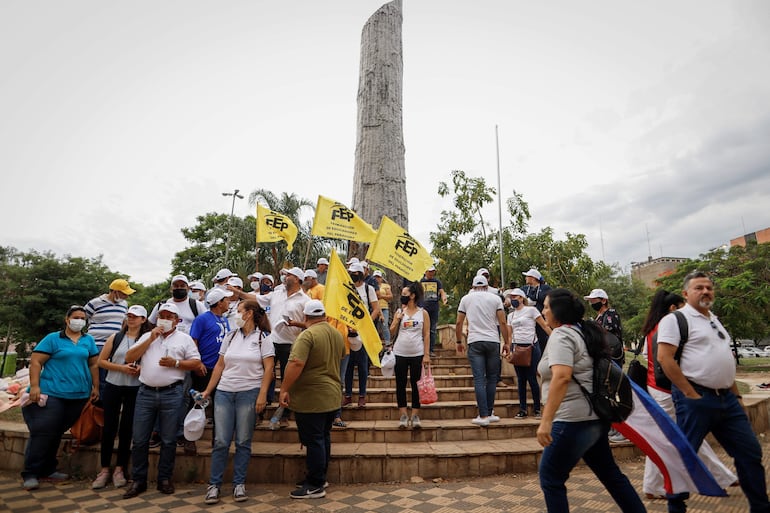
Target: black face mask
(179, 293)
(356, 277)
(404, 300)
(515, 303)
(597, 306)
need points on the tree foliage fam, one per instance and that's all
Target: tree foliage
(742, 287)
(38, 288)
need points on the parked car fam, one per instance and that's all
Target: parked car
(750, 352)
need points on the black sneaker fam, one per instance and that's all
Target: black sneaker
(308, 492)
(520, 415)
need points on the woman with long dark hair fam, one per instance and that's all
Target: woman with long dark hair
(119, 396)
(570, 430)
(411, 329)
(663, 303)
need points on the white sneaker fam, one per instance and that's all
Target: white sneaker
(404, 422)
(239, 493)
(416, 424)
(212, 494)
(493, 418)
(481, 422)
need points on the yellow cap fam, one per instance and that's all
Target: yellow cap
(121, 285)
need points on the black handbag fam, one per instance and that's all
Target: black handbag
(636, 371)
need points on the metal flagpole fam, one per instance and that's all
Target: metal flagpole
(500, 211)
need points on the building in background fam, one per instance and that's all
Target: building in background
(648, 272)
(759, 237)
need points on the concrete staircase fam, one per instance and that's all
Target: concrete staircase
(372, 448)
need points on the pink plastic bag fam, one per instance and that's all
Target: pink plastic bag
(427, 387)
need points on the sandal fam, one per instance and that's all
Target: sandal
(339, 423)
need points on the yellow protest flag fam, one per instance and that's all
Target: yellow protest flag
(272, 227)
(336, 221)
(395, 249)
(342, 302)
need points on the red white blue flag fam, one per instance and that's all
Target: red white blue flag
(658, 436)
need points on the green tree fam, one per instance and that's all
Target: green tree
(206, 253)
(38, 288)
(273, 256)
(742, 287)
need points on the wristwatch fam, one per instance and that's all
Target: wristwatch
(176, 364)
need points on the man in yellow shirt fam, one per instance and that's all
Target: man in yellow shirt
(385, 295)
(312, 288)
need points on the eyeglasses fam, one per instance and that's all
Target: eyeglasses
(721, 335)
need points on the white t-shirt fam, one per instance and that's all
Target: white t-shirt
(243, 360)
(409, 341)
(186, 316)
(279, 307)
(706, 359)
(367, 294)
(524, 321)
(178, 345)
(480, 308)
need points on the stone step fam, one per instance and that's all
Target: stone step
(387, 431)
(442, 382)
(466, 393)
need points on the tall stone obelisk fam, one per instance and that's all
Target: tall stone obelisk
(379, 180)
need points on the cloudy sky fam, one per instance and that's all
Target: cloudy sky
(122, 121)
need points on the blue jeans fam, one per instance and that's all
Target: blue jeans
(386, 325)
(282, 352)
(484, 358)
(433, 316)
(162, 405)
(361, 360)
(234, 414)
(587, 440)
(723, 416)
(315, 434)
(343, 372)
(526, 375)
(46, 427)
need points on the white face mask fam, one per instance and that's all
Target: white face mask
(254, 285)
(77, 324)
(166, 325)
(238, 320)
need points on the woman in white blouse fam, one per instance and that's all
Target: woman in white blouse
(522, 322)
(241, 376)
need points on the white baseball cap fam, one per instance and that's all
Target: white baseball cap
(355, 267)
(235, 281)
(377, 273)
(597, 294)
(482, 271)
(314, 308)
(222, 274)
(197, 285)
(353, 260)
(169, 307)
(180, 277)
(310, 273)
(322, 261)
(533, 273)
(216, 295)
(296, 271)
(268, 277)
(254, 277)
(515, 292)
(480, 281)
(137, 310)
(194, 424)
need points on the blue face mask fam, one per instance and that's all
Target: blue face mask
(265, 288)
(515, 303)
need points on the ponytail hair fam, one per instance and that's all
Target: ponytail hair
(568, 308)
(662, 301)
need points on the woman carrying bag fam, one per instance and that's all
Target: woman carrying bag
(522, 322)
(411, 331)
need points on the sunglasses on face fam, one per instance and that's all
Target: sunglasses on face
(721, 335)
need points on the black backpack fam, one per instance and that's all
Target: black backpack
(612, 396)
(684, 333)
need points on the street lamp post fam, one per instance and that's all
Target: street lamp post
(234, 194)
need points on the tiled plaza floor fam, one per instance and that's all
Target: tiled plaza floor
(508, 493)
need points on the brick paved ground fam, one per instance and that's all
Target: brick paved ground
(509, 493)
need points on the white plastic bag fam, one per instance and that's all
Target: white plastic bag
(388, 364)
(194, 424)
